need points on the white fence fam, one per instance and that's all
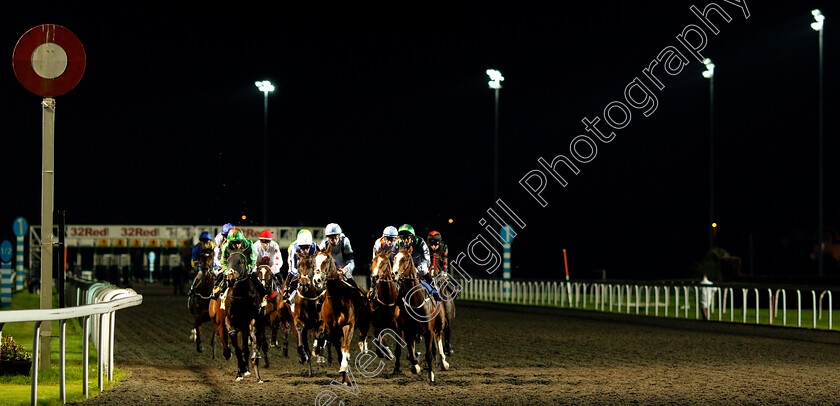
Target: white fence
(98, 299)
(652, 299)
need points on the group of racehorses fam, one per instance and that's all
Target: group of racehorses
(327, 308)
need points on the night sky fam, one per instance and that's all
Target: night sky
(383, 116)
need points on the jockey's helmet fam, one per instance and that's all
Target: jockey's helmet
(434, 238)
(390, 232)
(205, 236)
(304, 238)
(266, 235)
(406, 229)
(226, 228)
(332, 229)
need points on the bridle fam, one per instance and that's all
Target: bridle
(303, 287)
(387, 279)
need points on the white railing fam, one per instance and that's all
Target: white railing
(100, 300)
(627, 298)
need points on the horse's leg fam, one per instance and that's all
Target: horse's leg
(346, 339)
(286, 328)
(262, 341)
(197, 335)
(439, 336)
(213, 339)
(447, 331)
(242, 366)
(398, 352)
(412, 354)
(255, 349)
(223, 335)
(306, 351)
(300, 333)
(430, 352)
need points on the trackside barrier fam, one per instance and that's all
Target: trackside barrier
(107, 299)
(626, 297)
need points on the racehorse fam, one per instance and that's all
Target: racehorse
(448, 292)
(306, 311)
(419, 316)
(199, 302)
(277, 311)
(384, 309)
(244, 315)
(339, 312)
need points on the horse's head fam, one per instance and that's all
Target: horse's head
(325, 264)
(205, 259)
(308, 273)
(404, 264)
(381, 267)
(238, 265)
(264, 273)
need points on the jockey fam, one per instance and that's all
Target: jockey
(218, 241)
(342, 253)
(386, 242)
(302, 246)
(237, 242)
(438, 252)
(205, 242)
(268, 249)
(420, 256)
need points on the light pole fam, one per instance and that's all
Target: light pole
(818, 26)
(265, 87)
(495, 83)
(709, 73)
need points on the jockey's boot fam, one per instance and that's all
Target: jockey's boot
(358, 294)
(217, 288)
(192, 287)
(430, 285)
(291, 285)
(261, 291)
(277, 281)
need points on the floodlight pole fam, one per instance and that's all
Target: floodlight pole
(709, 73)
(820, 232)
(496, 148)
(265, 87)
(265, 158)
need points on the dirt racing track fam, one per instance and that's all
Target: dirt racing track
(513, 355)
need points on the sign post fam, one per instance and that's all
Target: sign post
(507, 238)
(5, 274)
(20, 229)
(49, 61)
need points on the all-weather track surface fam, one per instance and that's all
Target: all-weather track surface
(502, 355)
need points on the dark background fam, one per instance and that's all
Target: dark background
(382, 115)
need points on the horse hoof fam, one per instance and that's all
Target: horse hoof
(260, 381)
(431, 377)
(238, 378)
(199, 349)
(246, 374)
(444, 365)
(321, 360)
(415, 369)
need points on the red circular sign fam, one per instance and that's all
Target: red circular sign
(49, 60)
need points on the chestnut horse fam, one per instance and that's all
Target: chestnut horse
(199, 302)
(307, 298)
(277, 312)
(340, 314)
(384, 309)
(448, 293)
(244, 315)
(419, 316)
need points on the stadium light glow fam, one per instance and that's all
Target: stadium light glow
(496, 79)
(818, 25)
(710, 69)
